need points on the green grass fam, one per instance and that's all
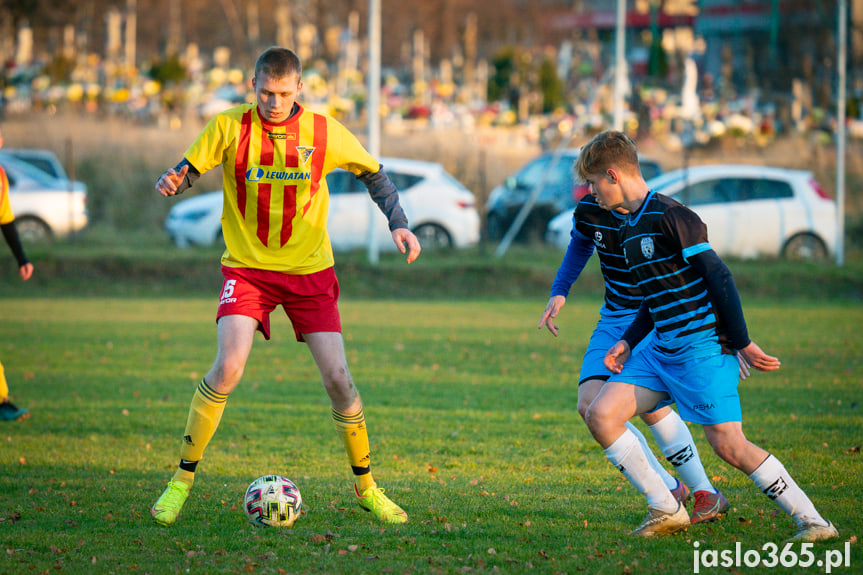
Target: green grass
(471, 414)
(104, 264)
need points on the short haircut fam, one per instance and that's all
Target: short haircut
(278, 62)
(604, 150)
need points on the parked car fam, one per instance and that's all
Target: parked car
(441, 211)
(45, 160)
(45, 207)
(750, 211)
(553, 172)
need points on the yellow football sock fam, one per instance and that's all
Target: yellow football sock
(352, 428)
(205, 412)
(4, 388)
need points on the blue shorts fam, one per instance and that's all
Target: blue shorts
(608, 332)
(705, 389)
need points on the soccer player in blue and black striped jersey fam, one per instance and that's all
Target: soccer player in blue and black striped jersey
(691, 312)
(597, 228)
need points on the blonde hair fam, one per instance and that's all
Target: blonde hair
(606, 149)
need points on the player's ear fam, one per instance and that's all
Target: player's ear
(612, 175)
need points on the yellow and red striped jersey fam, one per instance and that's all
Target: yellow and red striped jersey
(276, 201)
(6, 214)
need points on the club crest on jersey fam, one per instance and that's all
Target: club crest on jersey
(305, 152)
(647, 247)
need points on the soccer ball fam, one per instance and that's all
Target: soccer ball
(272, 500)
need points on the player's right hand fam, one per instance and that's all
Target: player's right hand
(168, 182)
(555, 303)
(617, 356)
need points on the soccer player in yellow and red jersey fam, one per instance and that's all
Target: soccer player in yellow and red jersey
(275, 155)
(8, 410)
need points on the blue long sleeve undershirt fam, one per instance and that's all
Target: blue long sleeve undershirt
(577, 254)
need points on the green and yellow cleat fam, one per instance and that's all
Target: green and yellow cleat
(381, 506)
(168, 506)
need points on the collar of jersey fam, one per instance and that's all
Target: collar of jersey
(633, 219)
(294, 117)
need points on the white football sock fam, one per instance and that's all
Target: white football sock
(626, 454)
(675, 441)
(669, 481)
(773, 479)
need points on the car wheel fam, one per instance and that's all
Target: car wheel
(433, 237)
(807, 247)
(33, 230)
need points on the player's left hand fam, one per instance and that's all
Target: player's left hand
(407, 242)
(758, 359)
(617, 356)
(26, 271)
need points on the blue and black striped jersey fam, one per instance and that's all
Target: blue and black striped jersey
(602, 228)
(657, 241)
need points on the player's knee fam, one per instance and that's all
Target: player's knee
(583, 406)
(226, 373)
(599, 417)
(337, 380)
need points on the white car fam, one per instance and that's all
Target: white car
(441, 211)
(750, 211)
(45, 207)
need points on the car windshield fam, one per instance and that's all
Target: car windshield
(660, 183)
(28, 170)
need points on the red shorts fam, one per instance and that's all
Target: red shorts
(310, 301)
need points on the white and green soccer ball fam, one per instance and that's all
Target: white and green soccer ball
(272, 500)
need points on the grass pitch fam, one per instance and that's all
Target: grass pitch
(471, 415)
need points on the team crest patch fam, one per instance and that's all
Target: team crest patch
(597, 237)
(647, 247)
(305, 152)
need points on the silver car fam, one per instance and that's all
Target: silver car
(441, 211)
(750, 211)
(45, 207)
